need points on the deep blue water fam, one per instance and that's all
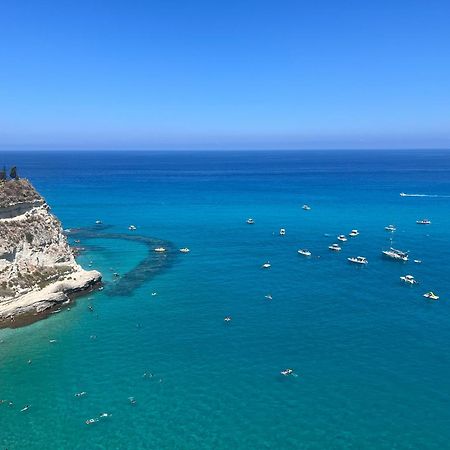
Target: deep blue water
(371, 354)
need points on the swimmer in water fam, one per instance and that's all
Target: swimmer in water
(25, 408)
(132, 400)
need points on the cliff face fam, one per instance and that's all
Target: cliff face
(37, 266)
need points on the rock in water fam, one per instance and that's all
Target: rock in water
(37, 267)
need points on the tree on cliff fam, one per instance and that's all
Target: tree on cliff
(3, 174)
(13, 173)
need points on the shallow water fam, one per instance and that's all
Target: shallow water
(370, 353)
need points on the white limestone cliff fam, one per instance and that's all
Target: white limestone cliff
(37, 267)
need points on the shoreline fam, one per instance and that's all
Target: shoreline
(39, 305)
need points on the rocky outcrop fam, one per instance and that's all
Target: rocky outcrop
(37, 267)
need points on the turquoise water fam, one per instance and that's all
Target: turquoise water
(371, 354)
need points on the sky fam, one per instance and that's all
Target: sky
(197, 74)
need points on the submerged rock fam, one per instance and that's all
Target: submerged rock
(37, 267)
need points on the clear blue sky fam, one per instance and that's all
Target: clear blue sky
(232, 74)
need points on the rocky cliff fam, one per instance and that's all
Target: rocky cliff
(37, 267)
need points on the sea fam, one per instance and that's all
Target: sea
(159, 365)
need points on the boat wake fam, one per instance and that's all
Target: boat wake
(402, 194)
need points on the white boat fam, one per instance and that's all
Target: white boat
(390, 228)
(431, 295)
(282, 231)
(132, 228)
(418, 261)
(335, 247)
(423, 222)
(358, 260)
(228, 319)
(250, 221)
(304, 252)
(353, 233)
(306, 207)
(342, 238)
(409, 279)
(402, 194)
(287, 372)
(184, 250)
(160, 249)
(396, 254)
(98, 222)
(266, 265)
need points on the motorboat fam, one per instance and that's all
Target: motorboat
(306, 207)
(423, 222)
(431, 295)
(132, 228)
(304, 252)
(390, 228)
(353, 233)
(335, 247)
(342, 238)
(402, 194)
(358, 260)
(250, 221)
(287, 372)
(418, 261)
(396, 254)
(160, 249)
(184, 250)
(409, 279)
(266, 265)
(98, 222)
(282, 231)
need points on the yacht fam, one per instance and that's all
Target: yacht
(266, 265)
(342, 238)
(353, 233)
(335, 247)
(306, 207)
(358, 260)
(304, 252)
(282, 231)
(390, 228)
(132, 228)
(160, 249)
(250, 221)
(184, 250)
(396, 254)
(431, 295)
(409, 279)
(423, 222)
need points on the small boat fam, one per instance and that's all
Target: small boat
(342, 238)
(266, 265)
(431, 295)
(304, 252)
(160, 249)
(282, 231)
(409, 279)
(423, 222)
(268, 296)
(250, 221)
(390, 228)
(353, 233)
(418, 261)
(287, 372)
(358, 260)
(335, 247)
(132, 228)
(154, 293)
(184, 250)
(227, 319)
(402, 194)
(98, 222)
(396, 254)
(306, 207)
